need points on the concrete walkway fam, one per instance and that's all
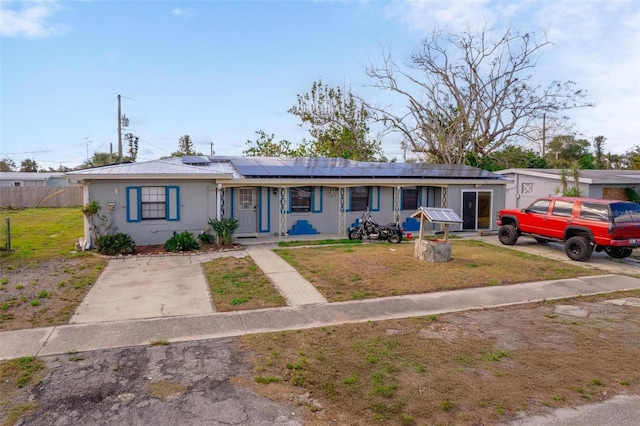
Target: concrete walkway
(288, 281)
(86, 337)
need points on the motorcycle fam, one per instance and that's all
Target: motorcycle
(368, 229)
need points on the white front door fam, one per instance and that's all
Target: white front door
(246, 210)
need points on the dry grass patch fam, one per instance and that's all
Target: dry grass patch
(238, 284)
(376, 270)
(479, 367)
(17, 378)
(166, 389)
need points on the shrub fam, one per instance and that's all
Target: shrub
(115, 244)
(224, 229)
(183, 241)
(205, 238)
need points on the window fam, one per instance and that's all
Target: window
(409, 198)
(540, 206)
(301, 199)
(245, 198)
(527, 189)
(562, 208)
(591, 211)
(625, 212)
(359, 198)
(153, 202)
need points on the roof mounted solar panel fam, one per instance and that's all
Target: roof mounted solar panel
(193, 160)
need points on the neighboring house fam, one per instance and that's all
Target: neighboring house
(529, 184)
(33, 179)
(283, 196)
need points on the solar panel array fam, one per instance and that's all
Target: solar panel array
(271, 167)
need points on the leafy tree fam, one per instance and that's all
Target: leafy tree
(598, 146)
(338, 123)
(99, 159)
(631, 158)
(60, 168)
(7, 165)
(469, 93)
(507, 157)
(28, 165)
(185, 147)
(132, 150)
(265, 146)
(564, 151)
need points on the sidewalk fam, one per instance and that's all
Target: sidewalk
(86, 337)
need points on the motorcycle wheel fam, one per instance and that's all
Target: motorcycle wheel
(353, 234)
(396, 237)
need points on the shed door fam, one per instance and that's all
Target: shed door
(246, 211)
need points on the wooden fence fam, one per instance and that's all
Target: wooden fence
(40, 196)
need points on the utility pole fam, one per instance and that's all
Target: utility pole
(544, 134)
(119, 132)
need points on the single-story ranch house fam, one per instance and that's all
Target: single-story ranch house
(283, 196)
(526, 185)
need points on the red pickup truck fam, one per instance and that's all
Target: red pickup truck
(582, 224)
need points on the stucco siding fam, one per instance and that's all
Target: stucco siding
(197, 203)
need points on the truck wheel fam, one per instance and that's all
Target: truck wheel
(618, 252)
(508, 235)
(578, 248)
(395, 237)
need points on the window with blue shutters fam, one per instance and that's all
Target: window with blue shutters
(153, 203)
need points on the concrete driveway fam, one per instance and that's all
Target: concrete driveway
(555, 251)
(149, 287)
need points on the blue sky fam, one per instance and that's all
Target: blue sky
(219, 71)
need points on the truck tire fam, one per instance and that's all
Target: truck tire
(618, 252)
(578, 248)
(508, 235)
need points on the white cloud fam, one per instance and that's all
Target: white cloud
(184, 13)
(32, 19)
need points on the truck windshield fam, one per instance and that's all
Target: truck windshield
(625, 212)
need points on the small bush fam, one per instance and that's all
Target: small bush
(206, 238)
(115, 244)
(183, 241)
(224, 229)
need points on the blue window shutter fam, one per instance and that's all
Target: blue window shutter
(374, 198)
(173, 202)
(133, 204)
(316, 199)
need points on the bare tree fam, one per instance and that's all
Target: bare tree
(469, 94)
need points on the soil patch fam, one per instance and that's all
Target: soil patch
(45, 292)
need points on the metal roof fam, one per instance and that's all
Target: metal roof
(437, 215)
(284, 169)
(30, 175)
(156, 167)
(623, 177)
